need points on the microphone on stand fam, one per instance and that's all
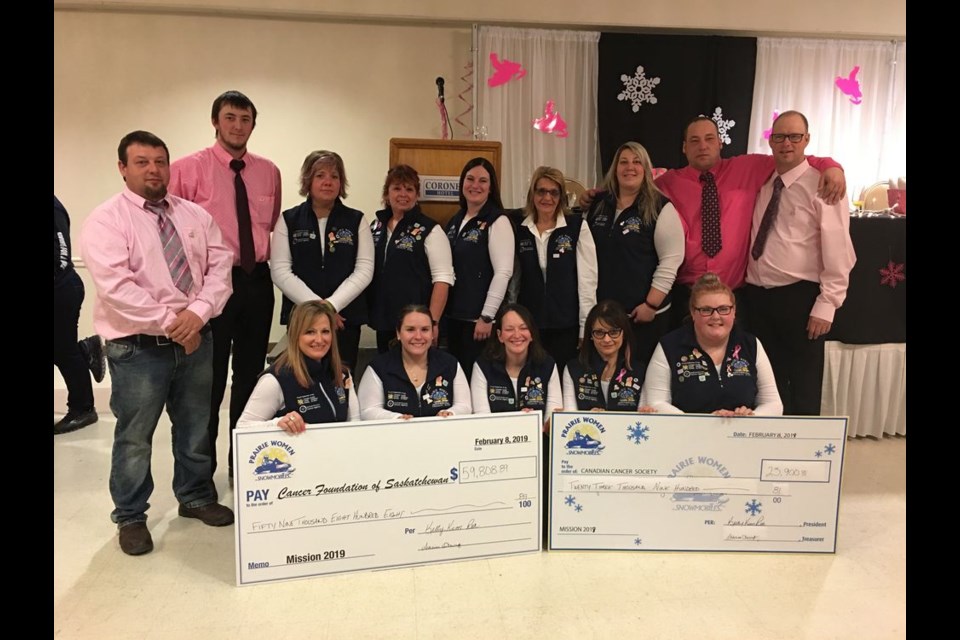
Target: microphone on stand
(440, 82)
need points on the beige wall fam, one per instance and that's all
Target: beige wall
(344, 87)
(345, 75)
(819, 18)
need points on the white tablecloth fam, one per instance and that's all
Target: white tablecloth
(868, 383)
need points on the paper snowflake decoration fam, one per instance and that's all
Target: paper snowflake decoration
(723, 126)
(638, 89)
(893, 274)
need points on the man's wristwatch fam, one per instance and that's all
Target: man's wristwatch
(486, 319)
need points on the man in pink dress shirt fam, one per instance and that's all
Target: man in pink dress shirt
(208, 178)
(737, 179)
(157, 288)
(799, 269)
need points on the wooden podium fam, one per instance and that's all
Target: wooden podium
(441, 158)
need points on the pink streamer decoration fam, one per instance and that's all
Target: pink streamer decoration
(850, 86)
(467, 78)
(551, 122)
(444, 132)
(504, 71)
(767, 132)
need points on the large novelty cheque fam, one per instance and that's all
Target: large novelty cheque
(699, 483)
(385, 494)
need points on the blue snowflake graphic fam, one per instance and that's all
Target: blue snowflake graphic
(638, 542)
(753, 507)
(578, 508)
(569, 501)
(819, 454)
(830, 448)
(638, 433)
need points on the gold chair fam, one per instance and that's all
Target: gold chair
(874, 197)
(573, 190)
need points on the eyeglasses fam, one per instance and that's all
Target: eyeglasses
(599, 333)
(542, 193)
(706, 312)
(780, 137)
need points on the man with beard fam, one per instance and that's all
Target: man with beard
(162, 271)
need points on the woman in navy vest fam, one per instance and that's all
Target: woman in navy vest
(640, 245)
(482, 243)
(515, 373)
(557, 265)
(323, 249)
(413, 264)
(605, 376)
(414, 378)
(308, 383)
(711, 365)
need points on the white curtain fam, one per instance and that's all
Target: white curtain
(869, 138)
(560, 66)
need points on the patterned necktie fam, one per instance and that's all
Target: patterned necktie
(710, 215)
(769, 216)
(172, 248)
(248, 256)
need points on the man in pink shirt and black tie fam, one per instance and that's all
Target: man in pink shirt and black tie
(162, 271)
(241, 191)
(801, 255)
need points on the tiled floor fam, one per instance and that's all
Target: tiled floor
(185, 588)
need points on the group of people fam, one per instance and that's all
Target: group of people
(543, 307)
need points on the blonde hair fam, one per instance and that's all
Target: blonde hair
(301, 319)
(649, 194)
(705, 285)
(554, 175)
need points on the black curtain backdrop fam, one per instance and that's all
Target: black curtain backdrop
(697, 75)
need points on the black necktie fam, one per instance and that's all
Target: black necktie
(710, 216)
(248, 256)
(769, 216)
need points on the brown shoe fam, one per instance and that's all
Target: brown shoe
(213, 514)
(135, 539)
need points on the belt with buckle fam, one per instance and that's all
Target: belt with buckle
(145, 341)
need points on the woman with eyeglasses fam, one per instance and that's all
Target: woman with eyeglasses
(604, 377)
(515, 373)
(557, 265)
(711, 365)
(640, 245)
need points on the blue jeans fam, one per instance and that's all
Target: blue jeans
(144, 380)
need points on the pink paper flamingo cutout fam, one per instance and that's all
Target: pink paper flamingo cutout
(504, 71)
(851, 86)
(767, 132)
(551, 122)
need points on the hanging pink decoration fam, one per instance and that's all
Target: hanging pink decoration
(464, 96)
(444, 132)
(767, 132)
(551, 122)
(504, 71)
(850, 86)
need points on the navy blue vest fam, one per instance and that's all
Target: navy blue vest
(401, 396)
(554, 302)
(323, 270)
(533, 381)
(403, 276)
(694, 384)
(626, 254)
(322, 402)
(471, 262)
(623, 392)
